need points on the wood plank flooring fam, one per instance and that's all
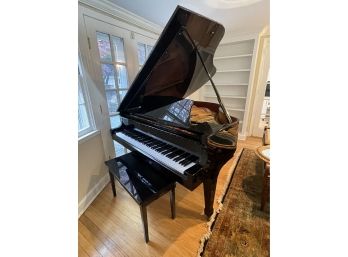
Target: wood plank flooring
(111, 227)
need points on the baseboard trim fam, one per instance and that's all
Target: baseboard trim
(92, 194)
(241, 136)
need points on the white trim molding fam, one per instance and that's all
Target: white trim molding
(122, 14)
(241, 136)
(92, 194)
(88, 136)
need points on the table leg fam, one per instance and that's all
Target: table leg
(265, 189)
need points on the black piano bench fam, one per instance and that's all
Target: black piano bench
(143, 182)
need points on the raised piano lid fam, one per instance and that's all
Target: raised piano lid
(173, 70)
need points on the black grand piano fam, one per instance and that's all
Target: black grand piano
(157, 120)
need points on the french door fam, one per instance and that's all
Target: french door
(117, 55)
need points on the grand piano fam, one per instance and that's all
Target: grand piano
(191, 140)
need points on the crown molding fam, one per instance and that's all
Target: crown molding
(122, 14)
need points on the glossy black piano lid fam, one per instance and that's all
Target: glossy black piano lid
(173, 70)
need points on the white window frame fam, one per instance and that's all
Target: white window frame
(83, 85)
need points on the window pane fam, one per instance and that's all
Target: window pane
(115, 121)
(82, 111)
(104, 47)
(108, 76)
(141, 53)
(122, 94)
(122, 76)
(112, 101)
(80, 95)
(83, 118)
(118, 49)
(148, 50)
(120, 150)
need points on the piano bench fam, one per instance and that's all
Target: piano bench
(143, 182)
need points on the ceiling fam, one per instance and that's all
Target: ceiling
(241, 16)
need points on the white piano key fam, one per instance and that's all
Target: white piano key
(156, 155)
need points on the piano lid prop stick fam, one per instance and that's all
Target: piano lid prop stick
(211, 80)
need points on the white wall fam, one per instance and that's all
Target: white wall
(92, 175)
(94, 150)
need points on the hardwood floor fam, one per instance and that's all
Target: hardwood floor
(112, 226)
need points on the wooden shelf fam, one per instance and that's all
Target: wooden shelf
(234, 64)
(228, 84)
(239, 70)
(234, 109)
(227, 96)
(233, 56)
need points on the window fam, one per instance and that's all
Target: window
(85, 121)
(114, 75)
(144, 51)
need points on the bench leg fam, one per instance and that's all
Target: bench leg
(172, 202)
(112, 180)
(144, 219)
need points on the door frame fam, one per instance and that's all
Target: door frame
(261, 86)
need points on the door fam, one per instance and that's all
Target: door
(114, 53)
(110, 51)
(144, 48)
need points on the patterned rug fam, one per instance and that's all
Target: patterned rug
(241, 229)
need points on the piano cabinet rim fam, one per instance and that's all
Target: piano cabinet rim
(215, 108)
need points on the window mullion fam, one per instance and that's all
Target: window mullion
(113, 56)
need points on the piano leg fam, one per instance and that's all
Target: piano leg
(112, 180)
(209, 194)
(143, 213)
(172, 202)
(219, 157)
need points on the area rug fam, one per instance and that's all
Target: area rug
(241, 228)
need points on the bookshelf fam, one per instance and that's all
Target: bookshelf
(234, 64)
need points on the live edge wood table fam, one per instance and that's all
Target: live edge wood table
(144, 182)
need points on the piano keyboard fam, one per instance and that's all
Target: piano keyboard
(162, 152)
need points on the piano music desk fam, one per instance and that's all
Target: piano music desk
(143, 183)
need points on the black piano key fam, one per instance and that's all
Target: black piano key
(188, 160)
(162, 148)
(153, 145)
(178, 157)
(181, 157)
(158, 146)
(169, 150)
(185, 162)
(173, 154)
(172, 151)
